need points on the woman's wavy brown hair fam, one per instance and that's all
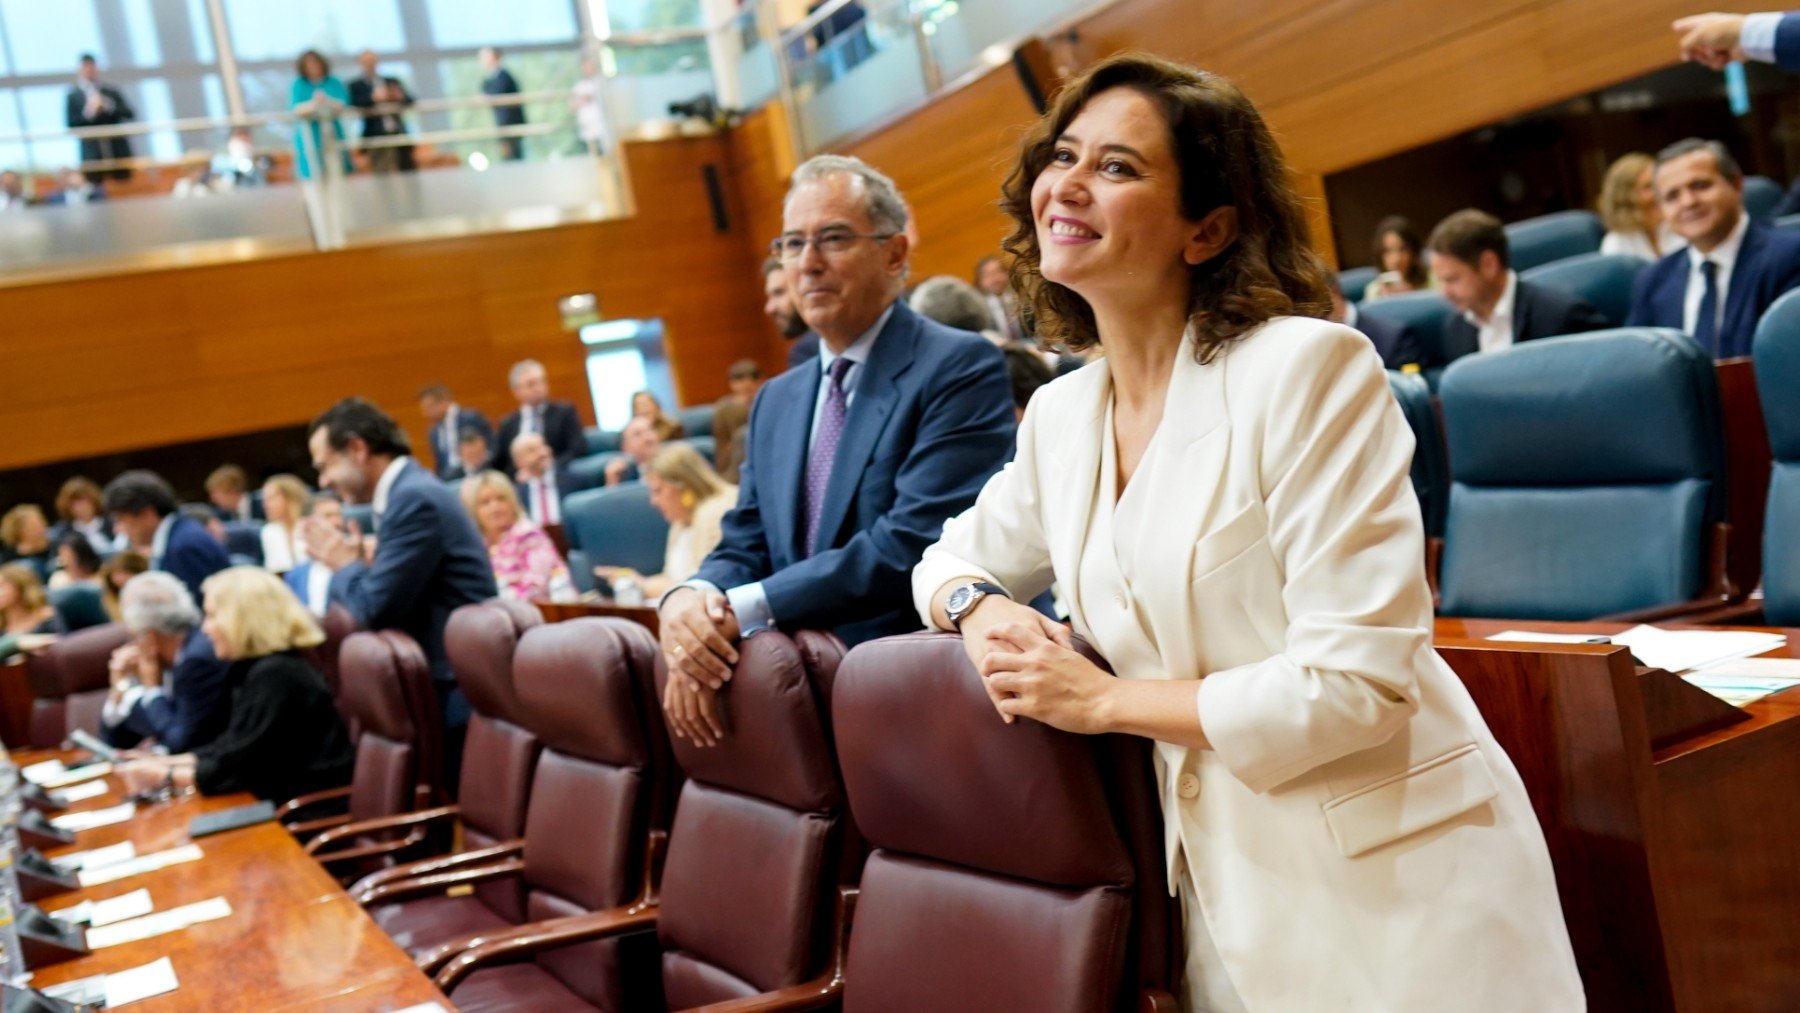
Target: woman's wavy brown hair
(1227, 157)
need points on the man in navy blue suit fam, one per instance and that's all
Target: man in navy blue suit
(448, 421)
(1732, 269)
(1396, 342)
(429, 559)
(167, 684)
(143, 509)
(855, 461)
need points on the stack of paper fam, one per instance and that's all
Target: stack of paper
(53, 774)
(80, 792)
(120, 987)
(172, 920)
(1747, 679)
(104, 912)
(1682, 650)
(141, 864)
(88, 820)
(94, 858)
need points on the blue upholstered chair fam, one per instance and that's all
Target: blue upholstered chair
(705, 445)
(1430, 472)
(1603, 279)
(79, 606)
(1776, 348)
(363, 514)
(1587, 478)
(1761, 194)
(601, 441)
(1787, 222)
(1555, 236)
(1424, 312)
(592, 468)
(1355, 279)
(615, 526)
(696, 420)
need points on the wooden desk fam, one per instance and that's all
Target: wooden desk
(294, 938)
(643, 615)
(1679, 863)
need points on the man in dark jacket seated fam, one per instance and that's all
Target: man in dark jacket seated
(1471, 262)
(167, 684)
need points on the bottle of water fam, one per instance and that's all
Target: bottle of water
(627, 591)
(12, 959)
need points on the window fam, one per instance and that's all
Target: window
(648, 15)
(468, 24)
(261, 30)
(47, 38)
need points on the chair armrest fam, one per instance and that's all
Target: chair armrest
(373, 849)
(536, 937)
(294, 805)
(364, 890)
(1155, 1000)
(398, 821)
(438, 882)
(306, 828)
(822, 991)
(1748, 612)
(1663, 613)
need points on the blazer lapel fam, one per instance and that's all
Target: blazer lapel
(1074, 461)
(877, 389)
(1737, 322)
(789, 426)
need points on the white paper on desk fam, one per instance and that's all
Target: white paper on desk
(79, 792)
(94, 858)
(172, 920)
(75, 775)
(93, 818)
(1528, 637)
(135, 904)
(38, 773)
(1747, 680)
(1682, 650)
(141, 864)
(153, 978)
(424, 1007)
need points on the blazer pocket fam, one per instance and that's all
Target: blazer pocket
(1413, 800)
(1226, 542)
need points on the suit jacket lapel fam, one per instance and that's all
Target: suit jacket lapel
(876, 392)
(789, 423)
(1736, 320)
(1075, 457)
(1521, 314)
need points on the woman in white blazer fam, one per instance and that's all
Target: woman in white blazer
(1224, 501)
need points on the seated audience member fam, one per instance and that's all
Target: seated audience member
(855, 461)
(781, 309)
(167, 683)
(692, 497)
(144, 512)
(954, 302)
(1471, 261)
(283, 737)
(1394, 340)
(1028, 372)
(639, 443)
(744, 379)
(526, 563)
(542, 483)
(12, 192)
(448, 421)
(1401, 258)
(115, 573)
(229, 490)
(1627, 204)
(474, 452)
(284, 499)
(23, 607)
(25, 536)
(310, 580)
(556, 421)
(1002, 305)
(644, 405)
(1732, 269)
(731, 422)
(78, 508)
(76, 562)
(208, 518)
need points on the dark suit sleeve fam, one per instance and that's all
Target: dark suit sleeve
(1642, 291)
(742, 555)
(75, 110)
(1787, 43)
(568, 443)
(196, 557)
(965, 434)
(175, 719)
(380, 594)
(247, 755)
(1581, 318)
(1405, 351)
(500, 459)
(122, 110)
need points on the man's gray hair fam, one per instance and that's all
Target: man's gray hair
(1728, 166)
(952, 302)
(887, 209)
(520, 368)
(158, 602)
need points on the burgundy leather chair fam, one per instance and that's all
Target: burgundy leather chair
(601, 795)
(337, 623)
(396, 757)
(1014, 867)
(500, 758)
(69, 682)
(755, 856)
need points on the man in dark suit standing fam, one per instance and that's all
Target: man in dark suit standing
(555, 421)
(855, 461)
(1472, 264)
(92, 104)
(1396, 342)
(429, 559)
(369, 90)
(1718, 39)
(778, 306)
(448, 420)
(1732, 269)
(167, 684)
(499, 81)
(144, 510)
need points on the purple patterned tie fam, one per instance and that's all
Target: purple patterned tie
(824, 449)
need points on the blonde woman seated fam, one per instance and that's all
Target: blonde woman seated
(526, 563)
(1628, 206)
(284, 738)
(693, 499)
(284, 503)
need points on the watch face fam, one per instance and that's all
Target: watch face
(959, 600)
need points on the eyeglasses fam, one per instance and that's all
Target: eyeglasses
(831, 243)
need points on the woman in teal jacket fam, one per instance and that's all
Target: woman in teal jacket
(315, 91)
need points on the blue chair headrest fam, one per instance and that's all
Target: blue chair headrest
(1551, 237)
(1424, 312)
(1605, 280)
(1776, 348)
(1761, 194)
(1789, 222)
(1429, 478)
(617, 526)
(1354, 280)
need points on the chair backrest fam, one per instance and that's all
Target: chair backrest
(499, 754)
(1424, 312)
(363, 514)
(617, 526)
(993, 846)
(591, 470)
(79, 606)
(697, 420)
(587, 689)
(69, 681)
(397, 751)
(1789, 222)
(1603, 279)
(600, 441)
(1776, 348)
(754, 856)
(1761, 194)
(1430, 470)
(705, 445)
(1551, 237)
(1356, 279)
(243, 539)
(337, 623)
(1586, 475)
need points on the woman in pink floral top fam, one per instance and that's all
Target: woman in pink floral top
(526, 563)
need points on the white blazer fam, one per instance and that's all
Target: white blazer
(1358, 840)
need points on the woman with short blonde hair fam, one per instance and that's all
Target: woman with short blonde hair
(284, 503)
(526, 563)
(23, 605)
(252, 613)
(1628, 207)
(694, 500)
(26, 535)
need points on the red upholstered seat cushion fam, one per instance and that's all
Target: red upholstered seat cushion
(418, 925)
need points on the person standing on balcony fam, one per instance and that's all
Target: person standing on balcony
(92, 104)
(499, 81)
(317, 96)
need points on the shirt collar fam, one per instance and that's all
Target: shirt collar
(159, 543)
(385, 485)
(1724, 254)
(1503, 306)
(858, 352)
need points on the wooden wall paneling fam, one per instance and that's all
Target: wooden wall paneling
(762, 160)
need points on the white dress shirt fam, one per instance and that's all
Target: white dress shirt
(385, 485)
(159, 542)
(1724, 255)
(280, 547)
(318, 588)
(1638, 243)
(1496, 332)
(528, 420)
(543, 499)
(1757, 37)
